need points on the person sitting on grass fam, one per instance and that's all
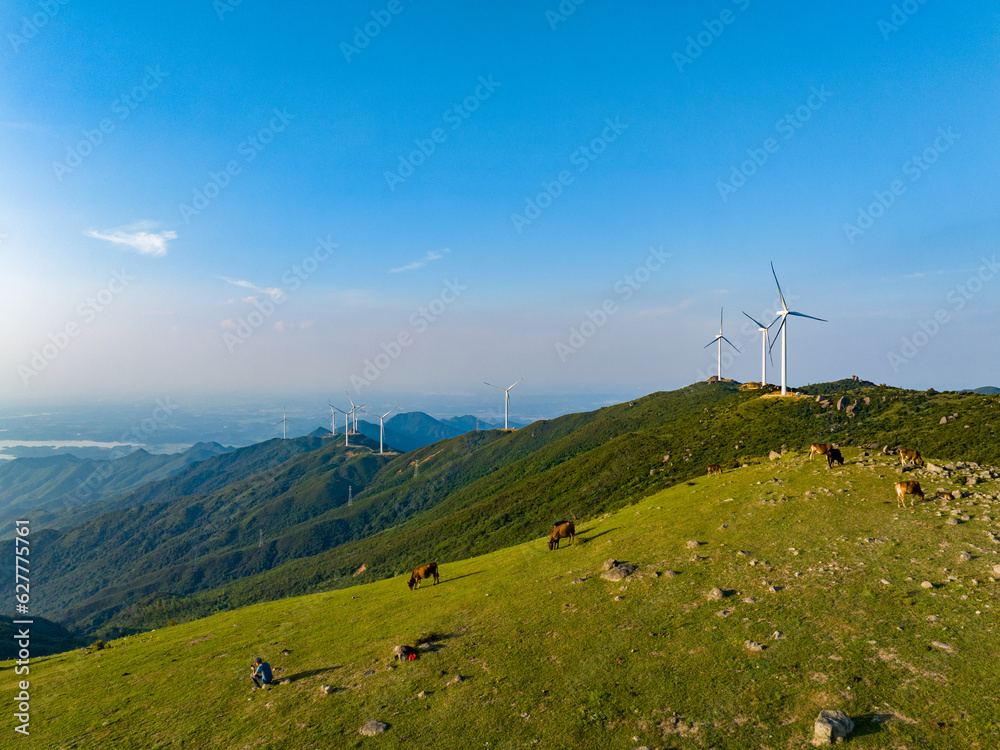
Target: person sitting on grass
(260, 673)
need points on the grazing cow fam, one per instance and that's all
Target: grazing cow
(819, 449)
(908, 488)
(908, 455)
(834, 456)
(714, 469)
(561, 531)
(422, 573)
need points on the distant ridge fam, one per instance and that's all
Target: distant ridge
(986, 390)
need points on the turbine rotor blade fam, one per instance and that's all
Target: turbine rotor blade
(803, 315)
(759, 324)
(778, 332)
(782, 296)
(729, 342)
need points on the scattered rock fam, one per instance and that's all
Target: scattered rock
(943, 646)
(578, 580)
(691, 544)
(285, 652)
(616, 599)
(774, 455)
(368, 673)
(455, 680)
(952, 521)
(956, 495)
(753, 646)
(841, 402)
(926, 585)
(831, 727)
(777, 635)
(965, 557)
(285, 681)
(716, 594)
(327, 689)
(372, 728)
(610, 563)
(402, 653)
(943, 420)
(749, 600)
(618, 573)
(723, 613)
(672, 573)
(996, 570)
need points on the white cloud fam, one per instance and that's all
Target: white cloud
(136, 237)
(429, 257)
(274, 292)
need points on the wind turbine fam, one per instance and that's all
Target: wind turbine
(764, 350)
(719, 339)
(354, 410)
(506, 399)
(334, 430)
(783, 313)
(284, 423)
(381, 425)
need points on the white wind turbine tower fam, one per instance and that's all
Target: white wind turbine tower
(764, 348)
(354, 411)
(381, 425)
(719, 339)
(783, 313)
(346, 428)
(284, 423)
(506, 399)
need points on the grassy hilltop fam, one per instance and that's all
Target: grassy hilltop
(824, 559)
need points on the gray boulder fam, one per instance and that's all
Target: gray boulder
(618, 573)
(371, 728)
(841, 402)
(831, 727)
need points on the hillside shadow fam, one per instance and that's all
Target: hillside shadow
(302, 675)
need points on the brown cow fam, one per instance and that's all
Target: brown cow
(422, 573)
(819, 449)
(834, 456)
(908, 455)
(561, 531)
(908, 488)
(714, 469)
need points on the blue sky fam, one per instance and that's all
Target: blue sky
(253, 199)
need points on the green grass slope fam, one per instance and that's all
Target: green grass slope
(488, 490)
(819, 567)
